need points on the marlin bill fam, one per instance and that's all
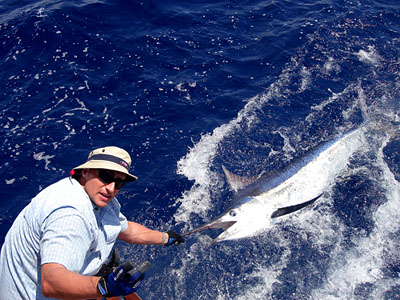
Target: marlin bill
(257, 202)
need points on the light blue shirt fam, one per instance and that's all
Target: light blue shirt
(60, 225)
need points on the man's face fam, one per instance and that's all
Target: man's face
(101, 193)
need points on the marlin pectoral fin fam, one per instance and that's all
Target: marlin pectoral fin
(289, 209)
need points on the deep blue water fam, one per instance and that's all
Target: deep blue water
(187, 87)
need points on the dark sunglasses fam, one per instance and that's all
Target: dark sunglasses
(107, 177)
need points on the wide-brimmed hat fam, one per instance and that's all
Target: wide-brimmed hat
(109, 158)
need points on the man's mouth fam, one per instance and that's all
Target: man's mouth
(106, 196)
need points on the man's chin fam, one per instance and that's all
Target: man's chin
(102, 202)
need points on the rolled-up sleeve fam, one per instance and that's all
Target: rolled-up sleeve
(123, 221)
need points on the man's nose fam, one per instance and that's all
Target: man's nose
(111, 186)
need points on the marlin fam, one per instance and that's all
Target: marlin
(258, 201)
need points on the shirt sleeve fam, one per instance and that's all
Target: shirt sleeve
(123, 221)
(66, 238)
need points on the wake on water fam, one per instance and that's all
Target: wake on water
(322, 253)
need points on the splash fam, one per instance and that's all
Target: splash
(370, 56)
(344, 267)
(197, 164)
(363, 264)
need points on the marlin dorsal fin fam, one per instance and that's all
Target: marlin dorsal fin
(237, 182)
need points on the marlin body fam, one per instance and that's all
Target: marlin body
(259, 201)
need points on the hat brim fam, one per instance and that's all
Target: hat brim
(102, 164)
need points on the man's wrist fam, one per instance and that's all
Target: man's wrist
(164, 238)
(102, 287)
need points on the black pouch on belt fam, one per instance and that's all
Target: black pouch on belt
(114, 262)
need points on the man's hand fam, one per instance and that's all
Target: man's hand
(174, 238)
(123, 281)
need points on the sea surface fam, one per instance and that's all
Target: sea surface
(187, 87)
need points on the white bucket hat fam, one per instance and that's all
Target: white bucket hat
(109, 158)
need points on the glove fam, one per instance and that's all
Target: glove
(174, 238)
(123, 281)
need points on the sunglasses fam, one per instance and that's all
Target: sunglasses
(107, 177)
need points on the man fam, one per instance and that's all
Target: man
(63, 237)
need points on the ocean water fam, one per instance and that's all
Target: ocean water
(189, 87)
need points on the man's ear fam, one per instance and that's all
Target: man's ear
(84, 176)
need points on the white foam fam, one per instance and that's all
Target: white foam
(348, 268)
(364, 263)
(196, 165)
(268, 277)
(369, 56)
(41, 156)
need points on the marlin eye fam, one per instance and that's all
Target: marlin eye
(232, 213)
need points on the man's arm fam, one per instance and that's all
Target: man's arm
(58, 282)
(139, 234)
